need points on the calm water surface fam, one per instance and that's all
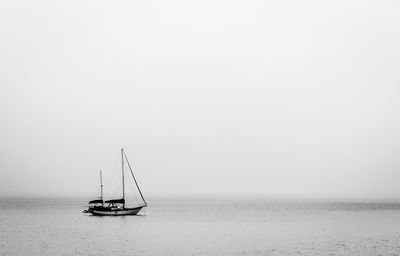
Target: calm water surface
(202, 227)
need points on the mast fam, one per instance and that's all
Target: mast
(101, 188)
(123, 179)
(140, 192)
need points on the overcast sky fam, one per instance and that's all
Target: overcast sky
(207, 97)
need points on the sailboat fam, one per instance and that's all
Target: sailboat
(115, 207)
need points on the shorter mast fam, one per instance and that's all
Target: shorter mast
(101, 188)
(123, 179)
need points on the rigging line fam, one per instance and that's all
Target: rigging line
(131, 186)
(110, 182)
(129, 165)
(116, 192)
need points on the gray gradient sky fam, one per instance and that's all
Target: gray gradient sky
(224, 97)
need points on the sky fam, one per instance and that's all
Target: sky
(272, 98)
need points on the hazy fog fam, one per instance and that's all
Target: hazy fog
(207, 97)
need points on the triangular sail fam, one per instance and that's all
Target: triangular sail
(140, 192)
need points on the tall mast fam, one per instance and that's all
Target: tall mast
(123, 182)
(101, 188)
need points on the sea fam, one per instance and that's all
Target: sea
(202, 226)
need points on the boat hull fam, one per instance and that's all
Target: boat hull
(117, 212)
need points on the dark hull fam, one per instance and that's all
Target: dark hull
(115, 212)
